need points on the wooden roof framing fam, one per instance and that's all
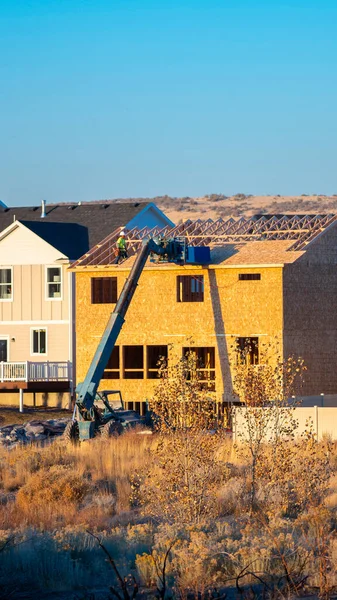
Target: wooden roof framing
(302, 229)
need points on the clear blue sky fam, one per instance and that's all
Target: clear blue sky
(108, 98)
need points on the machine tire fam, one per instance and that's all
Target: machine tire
(112, 428)
(71, 433)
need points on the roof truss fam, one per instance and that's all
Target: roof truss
(302, 229)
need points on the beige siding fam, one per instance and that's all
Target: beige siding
(29, 296)
(36, 292)
(25, 272)
(31, 309)
(20, 342)
(28, 255)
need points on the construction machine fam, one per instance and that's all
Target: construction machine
(103, 412)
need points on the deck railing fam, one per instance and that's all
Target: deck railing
(35, 371)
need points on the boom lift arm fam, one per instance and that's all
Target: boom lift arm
(172, 250)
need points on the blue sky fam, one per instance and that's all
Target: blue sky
(107, 98)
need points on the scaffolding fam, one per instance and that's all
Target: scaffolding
(301, 229)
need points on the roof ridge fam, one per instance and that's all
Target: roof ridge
(79, 203)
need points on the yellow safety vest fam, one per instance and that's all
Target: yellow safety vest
(121, 243)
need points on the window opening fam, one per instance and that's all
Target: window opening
(156, 355)
(249, 276)
(205, 365)
(190, 288)
(103, 290)
(248, 350)
(112, 369)
(133, 362)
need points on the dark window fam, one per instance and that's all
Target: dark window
(190, 288)
(112, 370)
(156, 355)
(249, 276)
(248, 350)
(39, 341)
(205, 365)
(103, 290)
(133, 358)
(3, 350)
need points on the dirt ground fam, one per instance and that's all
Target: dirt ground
(11, 415)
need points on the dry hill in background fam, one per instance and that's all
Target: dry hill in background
(215, 206)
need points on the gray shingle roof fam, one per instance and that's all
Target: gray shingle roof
(69, 238)
(99, 218)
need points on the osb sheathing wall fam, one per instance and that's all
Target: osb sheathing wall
(231, 308)
(310, 313)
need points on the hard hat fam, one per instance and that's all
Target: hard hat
(122, 233)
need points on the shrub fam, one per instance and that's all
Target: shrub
(56, 485)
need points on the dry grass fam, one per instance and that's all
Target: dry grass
(63, 485)
(215, 206)
(50, 496)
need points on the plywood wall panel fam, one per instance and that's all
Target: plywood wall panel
(231, 308)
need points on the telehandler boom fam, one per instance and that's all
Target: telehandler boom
(88, 418)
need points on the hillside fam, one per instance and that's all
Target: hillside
(218, 205)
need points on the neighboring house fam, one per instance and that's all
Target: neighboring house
(37, 292)
(271, 280)
(100, 218)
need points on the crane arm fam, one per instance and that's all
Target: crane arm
(86, 391)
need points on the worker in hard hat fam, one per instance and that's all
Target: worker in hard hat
(121, 247)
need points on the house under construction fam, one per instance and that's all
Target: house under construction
(272, 280)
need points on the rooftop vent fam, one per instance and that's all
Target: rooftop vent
(43, 209)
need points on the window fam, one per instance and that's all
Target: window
(54, 275)
(39, 341)
(112, 370)
(156, 355)
(205, 367)
(133, 359)
(6, 286)
(248, 350)
(190, 288)
(249, 276)
(103, 290)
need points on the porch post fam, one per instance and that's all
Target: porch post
(21, 401)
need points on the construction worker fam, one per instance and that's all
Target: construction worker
(121, 247)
